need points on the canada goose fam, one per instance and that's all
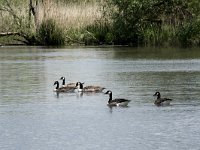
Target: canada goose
(62, 89)
(91, 88)
(161, 101)
(117, 101)
(67, 85)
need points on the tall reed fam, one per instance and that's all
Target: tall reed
(71, 17)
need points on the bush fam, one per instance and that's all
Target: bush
(150, 22)
(99, 33)
(189, 34)
(49, 33)
(127, 21)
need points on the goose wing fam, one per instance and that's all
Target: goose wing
(165, 99)
(93, 88)
(71, 85)
(120, 100)
(159, 101)
(65, 89)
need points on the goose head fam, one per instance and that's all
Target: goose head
(63, 79)
(110, 95)
(108, 92)
(157, 94)
(79, 86)
(57, 84)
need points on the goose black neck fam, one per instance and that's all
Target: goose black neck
(57, 85)
(158, 96)
(81, 86)
(110, 98)
(63, 82)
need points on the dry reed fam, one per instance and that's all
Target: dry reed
(72, 15)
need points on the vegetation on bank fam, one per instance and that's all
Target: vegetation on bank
(127, 22)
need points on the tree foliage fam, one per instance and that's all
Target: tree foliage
(125, 22)
(49, 33)
(151, 22)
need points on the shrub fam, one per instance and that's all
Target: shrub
(127, 16)
(49, 33)
(99, 33)
(148, 22)
(189, 34)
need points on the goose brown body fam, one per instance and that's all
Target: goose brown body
(116, 101)
(73, 85)
(90, 88)
(161, 101)
(63, 89)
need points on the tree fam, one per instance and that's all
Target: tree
(137, 21)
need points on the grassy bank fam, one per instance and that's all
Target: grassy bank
(72, 17)
(130, 22)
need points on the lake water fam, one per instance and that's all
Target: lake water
(33, 117)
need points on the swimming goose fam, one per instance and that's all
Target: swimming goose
(161, 101)
(67, 85)
(62, 89)
(90, 88)
(117, 101)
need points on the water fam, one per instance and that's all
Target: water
(33, 117)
